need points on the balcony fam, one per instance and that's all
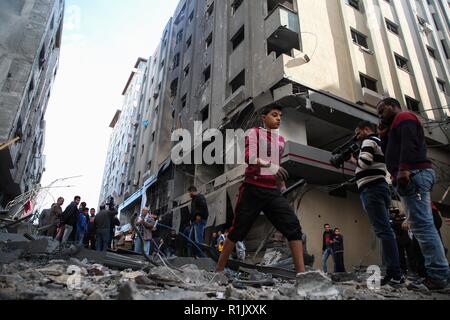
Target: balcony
(282, 28)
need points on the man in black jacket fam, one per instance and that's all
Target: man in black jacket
(199, 215)
(70, 219)
(405, 148)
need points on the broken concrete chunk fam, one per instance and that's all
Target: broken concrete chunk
(53, 270)
(96, 296)
(316, 285)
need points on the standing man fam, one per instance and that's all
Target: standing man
(406, 158)
(199, 215)
(327, 246)
(55, 217)
(144, 224)
(262, 190)
(114, 222)
(371, 175)
(90, 237)
(102, 226)
(70, 219)
(338, 251)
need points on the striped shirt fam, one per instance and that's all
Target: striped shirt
(371, 163)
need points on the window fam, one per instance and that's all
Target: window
(441, 85)
(238, 38)
(184, 101)
(174, 88)
(401, 62)
(353, 3)
(176, 61)
(191, 16)
(207, 73)
(210, 10)
(422, 21)
(186, 70)
(205, 113)
(412, 104)
(444, 47)
(391, 26)
(431, 52)
(235, 5)
(153, 136)
(179, 37)
(238, 82)
(189, 42)
(369, 83)
(209, 40)
(359, 39)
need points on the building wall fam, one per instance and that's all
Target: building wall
(31, 38)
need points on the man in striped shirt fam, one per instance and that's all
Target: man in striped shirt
(371, 175)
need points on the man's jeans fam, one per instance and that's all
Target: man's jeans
(67, 232)
(138, 246)
(376, 201)
(102, 239)
(416, 197)
(326, 254)
(198, 231)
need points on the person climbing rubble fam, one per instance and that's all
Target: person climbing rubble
(261, 191)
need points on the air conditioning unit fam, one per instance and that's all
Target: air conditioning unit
(427, 28)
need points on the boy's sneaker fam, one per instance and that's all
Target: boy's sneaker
(427, 284)
(393, 281)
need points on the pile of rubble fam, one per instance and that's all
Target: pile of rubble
(40, 269)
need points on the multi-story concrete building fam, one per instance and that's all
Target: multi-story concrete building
(116, 177)
(30, 41)
(328, 63)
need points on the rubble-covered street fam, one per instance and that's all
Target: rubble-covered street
(42, 270)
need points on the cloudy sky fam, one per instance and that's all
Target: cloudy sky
(101, 42)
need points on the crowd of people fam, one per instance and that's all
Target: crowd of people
(79, 224)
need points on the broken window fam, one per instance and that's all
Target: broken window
(205, 113)
(179, 37)
(369, 83)
(207, 73)
(238, 82)
(210, 10)
(238, 38)
(209, 40)
(174, 88)
(401, 62)
(353, 3)
(412, 104)
(189, 42)
(431, 52)
(391, 26)
(42, 57)
(441, 85)
(184, 101)
(186, 71)
(359, 39)
(176, 61)
(235, 5)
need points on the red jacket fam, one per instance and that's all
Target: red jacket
(256, 142)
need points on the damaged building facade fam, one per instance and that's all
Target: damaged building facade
(30, 38)
(327, 63)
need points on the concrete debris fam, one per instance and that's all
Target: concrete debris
(71, 273)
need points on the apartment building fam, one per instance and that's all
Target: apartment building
(328, 63)
(30, 37)
(120, 158)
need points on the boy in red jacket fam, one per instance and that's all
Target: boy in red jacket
(262, 190)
